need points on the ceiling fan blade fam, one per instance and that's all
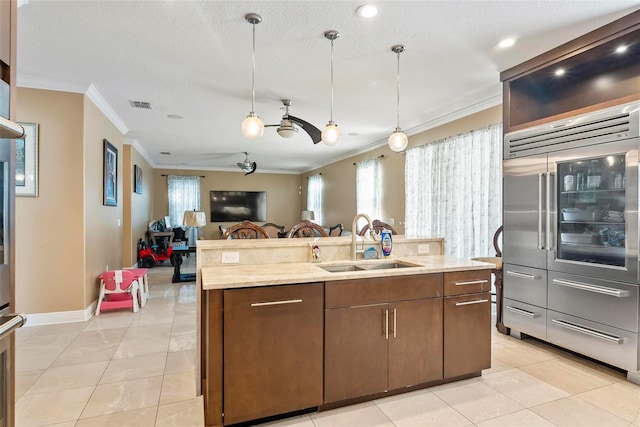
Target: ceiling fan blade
(314, 132)
(253, 168)
(240, 165)
(269, 126)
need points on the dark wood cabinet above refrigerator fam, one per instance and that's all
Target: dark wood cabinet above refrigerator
(597, 73)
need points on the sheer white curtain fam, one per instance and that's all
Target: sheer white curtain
(368, 190)
(453, 189)
(184, 195)
(314, 197)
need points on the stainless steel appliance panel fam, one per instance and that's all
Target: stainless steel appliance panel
(608, 344)
(524, 216)
(602, 301)
(579, 245)
(526, 318)
(525, 284)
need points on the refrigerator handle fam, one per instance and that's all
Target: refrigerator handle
(540, 242)
(549, 236)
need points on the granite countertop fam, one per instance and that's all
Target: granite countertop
(242, 276)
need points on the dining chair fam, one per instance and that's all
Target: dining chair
(118, 289)
(378, 226)
(245, 230)
(273, 230)
(307, 229)
(336, 230)
(497, 277)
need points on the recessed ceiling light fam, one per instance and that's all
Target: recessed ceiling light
(175, 116)
(508, 42)
(621, 49)
(367, 11)
(559, 72)
(165, 153)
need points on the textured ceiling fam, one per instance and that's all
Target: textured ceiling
(193, 59)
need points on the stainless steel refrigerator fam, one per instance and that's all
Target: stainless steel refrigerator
(571, 234)
(8, 321)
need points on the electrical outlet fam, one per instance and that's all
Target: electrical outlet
(423, 249)
(230, 257)
(392, 221)
(107, 268)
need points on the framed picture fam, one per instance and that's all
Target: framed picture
(110, 174)
(137, 179)
(27, 161)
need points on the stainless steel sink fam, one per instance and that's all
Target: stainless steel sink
(385, 265)
(340, 268)
(365, 266)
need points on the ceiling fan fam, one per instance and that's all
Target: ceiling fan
(247, 166)
(287, 128)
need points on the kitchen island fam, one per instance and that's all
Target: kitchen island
(280, 334)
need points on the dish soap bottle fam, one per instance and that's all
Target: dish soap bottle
(387, 243)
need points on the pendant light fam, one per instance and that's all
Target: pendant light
(252, 126)
(398, 140)
(331, 134)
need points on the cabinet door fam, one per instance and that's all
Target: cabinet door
(467, 334)
(415, 342)
(272, 350)
(356, 358)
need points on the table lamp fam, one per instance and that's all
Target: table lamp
(195, 219)
(307, 216)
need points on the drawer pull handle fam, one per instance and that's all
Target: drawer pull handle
(478, 301)
(523, 275)
(516, 310)
(587, 331)
(289, 301)
(394, 323)
(471, 282)
(592, 288)
(386, 322)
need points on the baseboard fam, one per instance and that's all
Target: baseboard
(54, 318)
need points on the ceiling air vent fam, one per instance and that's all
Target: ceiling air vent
(594, 128)
(140, 104)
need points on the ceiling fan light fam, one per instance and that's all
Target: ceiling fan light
(331, 134)
(287, 131)
(252, 127)
(398, 141)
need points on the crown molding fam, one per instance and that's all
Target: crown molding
(95, 97)
(492, 101)
(34, 82)
(225, 169)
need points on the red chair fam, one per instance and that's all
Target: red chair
(140, 275)
(118, 289)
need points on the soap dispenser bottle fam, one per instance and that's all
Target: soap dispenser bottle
(387, 243)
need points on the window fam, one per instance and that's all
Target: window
(453, 189)
(368, 193)
(314, 197)
(184, 195)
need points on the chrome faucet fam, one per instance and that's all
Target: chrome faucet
(372, 232)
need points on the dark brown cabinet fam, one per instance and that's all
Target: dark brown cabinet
(273, 347)
(382, 334)
(467, 323)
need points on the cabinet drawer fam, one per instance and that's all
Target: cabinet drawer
(610, 345)
(602, 301)
(377, 290)
(525, 284)
(530, 319)
(467, 282)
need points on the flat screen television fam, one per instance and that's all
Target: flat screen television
(236, 206)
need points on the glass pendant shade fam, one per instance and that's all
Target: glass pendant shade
(252, 127)
(331, 134)
(398, 140)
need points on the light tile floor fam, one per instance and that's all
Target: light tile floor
(126, 369)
